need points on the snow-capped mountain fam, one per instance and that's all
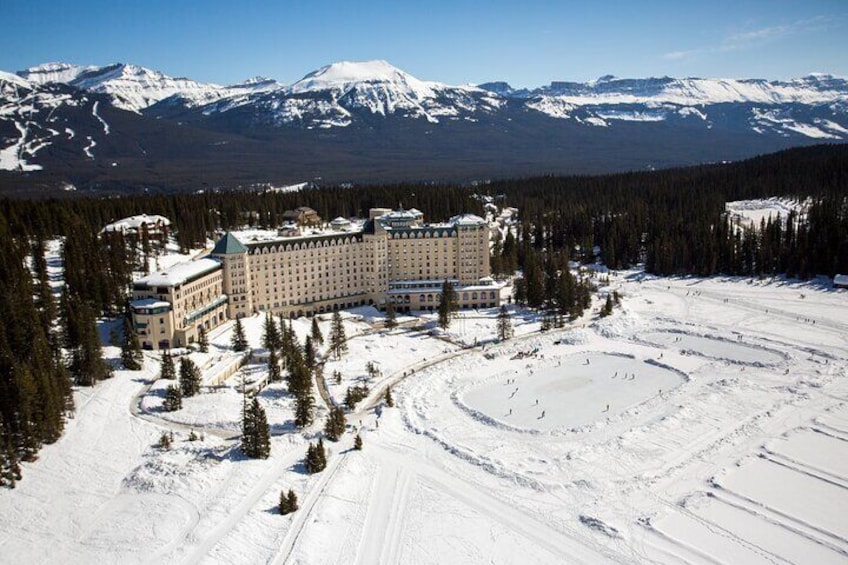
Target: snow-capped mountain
(338, 121)
(130, 87)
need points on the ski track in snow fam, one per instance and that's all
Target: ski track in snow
(711, 469)
(101, 120)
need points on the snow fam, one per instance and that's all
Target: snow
(181, 272)
(12, 157)
(740, 458)
(87, 149)
(752, 212)
(101, 120)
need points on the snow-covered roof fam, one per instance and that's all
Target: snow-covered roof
(135, 222)
(149, 303)
(467, 220)
(400, 215)
(340, 221)
(840, 279)
(181, 272)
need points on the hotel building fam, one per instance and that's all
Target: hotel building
(392, 256)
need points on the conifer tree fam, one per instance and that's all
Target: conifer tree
(316, 458)
(274, 373)
(189, 377)
(239, 341)
(606, 310)
(317, 336)
(203, 340)
(391, 315)
(173, 398)
(271, 339)
(309, 353)
(357, 442)
(299, 378)
(447, 305)
(165, 441)
(304, 405)
(291, 498)
(335, 425)
(256, 437)
(504, 324)
(390, 402)
(338, 340)
(166, 369)
(130, 348)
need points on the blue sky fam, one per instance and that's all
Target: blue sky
(526, 43)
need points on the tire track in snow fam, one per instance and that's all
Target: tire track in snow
(578, 548)
(302, 516)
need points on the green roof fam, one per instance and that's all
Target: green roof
(228, 244)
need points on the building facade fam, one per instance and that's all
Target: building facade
(393, 256)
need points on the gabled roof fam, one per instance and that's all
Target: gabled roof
(228, 244)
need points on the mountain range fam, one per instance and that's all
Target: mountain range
(123, 127)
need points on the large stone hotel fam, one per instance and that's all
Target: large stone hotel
(392, 256)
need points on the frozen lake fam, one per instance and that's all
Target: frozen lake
(580, 391)
(713, 347)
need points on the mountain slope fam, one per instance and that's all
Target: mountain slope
(121, 127)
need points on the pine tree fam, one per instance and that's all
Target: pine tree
(391, 315)
(285, 506)
(504, 324)
(357, 442)
(271, 339)
(316, 458)
(167, 370)
(203, 340)
(309, 353)
(447, 305)
(165, 441)
(304, 405)
(274, 373)
(338, 341)
(291, 498)
(239, 341)
(354, 394)
(390, 402)
(335, 426)
(299, 378)
(317, 336)
(189, 377)
(256, 437)
(130, 348)
(606, 310)
(173, 398)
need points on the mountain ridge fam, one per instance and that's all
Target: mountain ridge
(64, 124)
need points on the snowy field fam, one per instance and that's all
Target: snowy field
(706, 421)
